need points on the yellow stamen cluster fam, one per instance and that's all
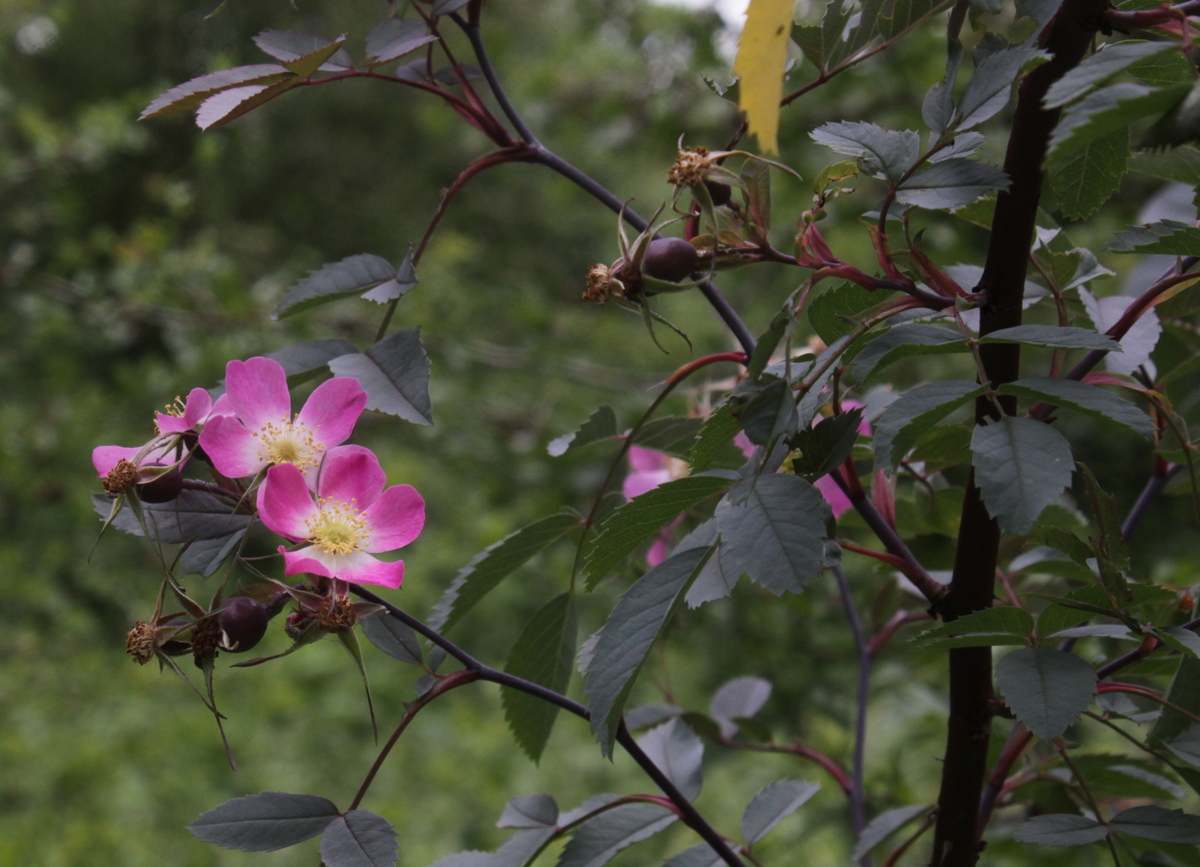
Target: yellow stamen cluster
(289, 442)
(120, 479)
(338, 528)
(691, 167)
(139, 642)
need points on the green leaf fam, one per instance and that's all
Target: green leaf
(1184, 692)
(1111, 108)
(769, 412)
(1181, 164)
(359, 839)
(714, 448)
(914, 338)
(1046, 689)
(393, 38)
(1186, 745)
(1108, 61)
(916, 411)
(1157, 823)
(1088, 399)
(1063, 541)
(627, 635)
(775, 531)
(193, 516)
(1054, 336)
(190, 94)
(678, 753)
(1166, 236)
(337, 280)
(228, 105)
(265, 822)
(1000, 625)
(529, 811)
(1111, 545)
(1055, 618)
(739, 698)
(951, 183)
(393, 637)
(289, 47)
(883, 826)
(596, 841)
(991, 85)
(834, 312)
(640, 519)
(310, 355)
(1060, 829)
(405, 279)
(826, 446)
(601, 425)
(700, 855)
(1021, 466)
(884, 152)
(772, 805)
(487, 569)
(672, 435)
(543, 654)
(395, 374)
(1085, 178)
(767, 342)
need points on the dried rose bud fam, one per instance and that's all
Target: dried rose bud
(243, 623)
(669, 259)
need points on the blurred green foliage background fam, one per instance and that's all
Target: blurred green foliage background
(137, 258)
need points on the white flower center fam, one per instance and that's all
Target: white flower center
(338, 528)
(289, 442)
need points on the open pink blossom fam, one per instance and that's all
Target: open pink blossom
(124, 467)
(351, 517)
(260, 431)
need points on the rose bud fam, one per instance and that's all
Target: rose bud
(669, 259)
(163, 488)
(720, 193)
(243, 623)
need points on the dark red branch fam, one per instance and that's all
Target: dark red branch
(1067, 38)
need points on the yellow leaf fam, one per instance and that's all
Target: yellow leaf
(762, 54)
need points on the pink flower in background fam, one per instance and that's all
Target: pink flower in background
(834, 495)
(259, 429)
(651, 469)
(351, 518)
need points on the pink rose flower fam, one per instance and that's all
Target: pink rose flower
(259, 429)
(651, 469)
(351, 518)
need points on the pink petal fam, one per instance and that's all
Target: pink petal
(864, 426)
(644, 460)
(104, 458)
(195, 412)
(636, 484)
(233, 450)
(358, 567)
(257, 392)
(743, 442)
(833, 495)
(332, 410)
(284, 502)
(351, 473)
(396, 518)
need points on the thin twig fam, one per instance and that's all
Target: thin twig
(863, 651)
(484, 672)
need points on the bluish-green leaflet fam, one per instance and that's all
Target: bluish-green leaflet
(628, 634)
